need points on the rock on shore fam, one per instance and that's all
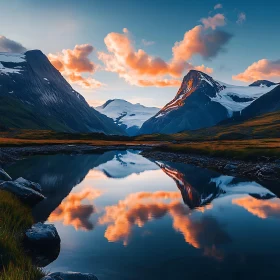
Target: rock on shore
(70, 276)
(26, 194)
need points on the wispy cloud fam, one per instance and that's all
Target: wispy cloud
(147, 43)
(214, 22)
(8, 45)
(218, 6)
(241, 18)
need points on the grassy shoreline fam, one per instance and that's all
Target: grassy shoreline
(238, 149)
(15, 218)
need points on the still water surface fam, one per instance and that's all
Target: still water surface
(122, 216)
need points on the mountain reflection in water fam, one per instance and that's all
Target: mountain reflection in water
(122, 216)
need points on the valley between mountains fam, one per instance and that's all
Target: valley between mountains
(39, 107)
(206, 117)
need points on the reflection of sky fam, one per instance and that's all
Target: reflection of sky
(138, 224)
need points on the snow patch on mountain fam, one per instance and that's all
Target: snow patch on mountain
(236, 98)
(127, 114)
(11, 58)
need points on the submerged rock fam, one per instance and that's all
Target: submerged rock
(26, 194)
(29, 184)
(4, 176)
(70, 276)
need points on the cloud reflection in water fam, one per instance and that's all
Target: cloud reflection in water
(72, 212)
(137, 209)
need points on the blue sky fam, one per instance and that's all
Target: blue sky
(55, 25)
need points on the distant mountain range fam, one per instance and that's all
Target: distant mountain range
(203, 102)
(128, 116)
(34, 95)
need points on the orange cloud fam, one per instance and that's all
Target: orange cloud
(139, 68)
(260, 208)
(262, 69)
(214, 22)
(71, 63)
(200, 40)
(136, 209)
(139, 208)
(72, 212)
(159, 83)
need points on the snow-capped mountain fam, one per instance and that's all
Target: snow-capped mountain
(237, 98)
(33, 94)
(127, 115)
(202, 102)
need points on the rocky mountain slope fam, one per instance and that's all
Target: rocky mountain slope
(203, 102)
(34, 95)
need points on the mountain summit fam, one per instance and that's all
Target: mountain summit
(202, 102)
(192, 107)
(35, 95)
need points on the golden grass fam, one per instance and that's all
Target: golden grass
(15, 218)
(242, 149)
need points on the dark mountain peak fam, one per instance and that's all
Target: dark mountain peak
(260, 83)
(38, 52)
(195, 74)
(195, 79)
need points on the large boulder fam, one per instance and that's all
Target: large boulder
(42, 244)
(4, 176)
(29, 184)
(70, 276)
(26, 194)
(42, 235)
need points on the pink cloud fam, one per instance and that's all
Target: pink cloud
(207, 43)
(159, 83)
(137, 67)
(262, 69)
(71, 63)
(214, 22)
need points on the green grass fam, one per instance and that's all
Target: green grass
(15, 218)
